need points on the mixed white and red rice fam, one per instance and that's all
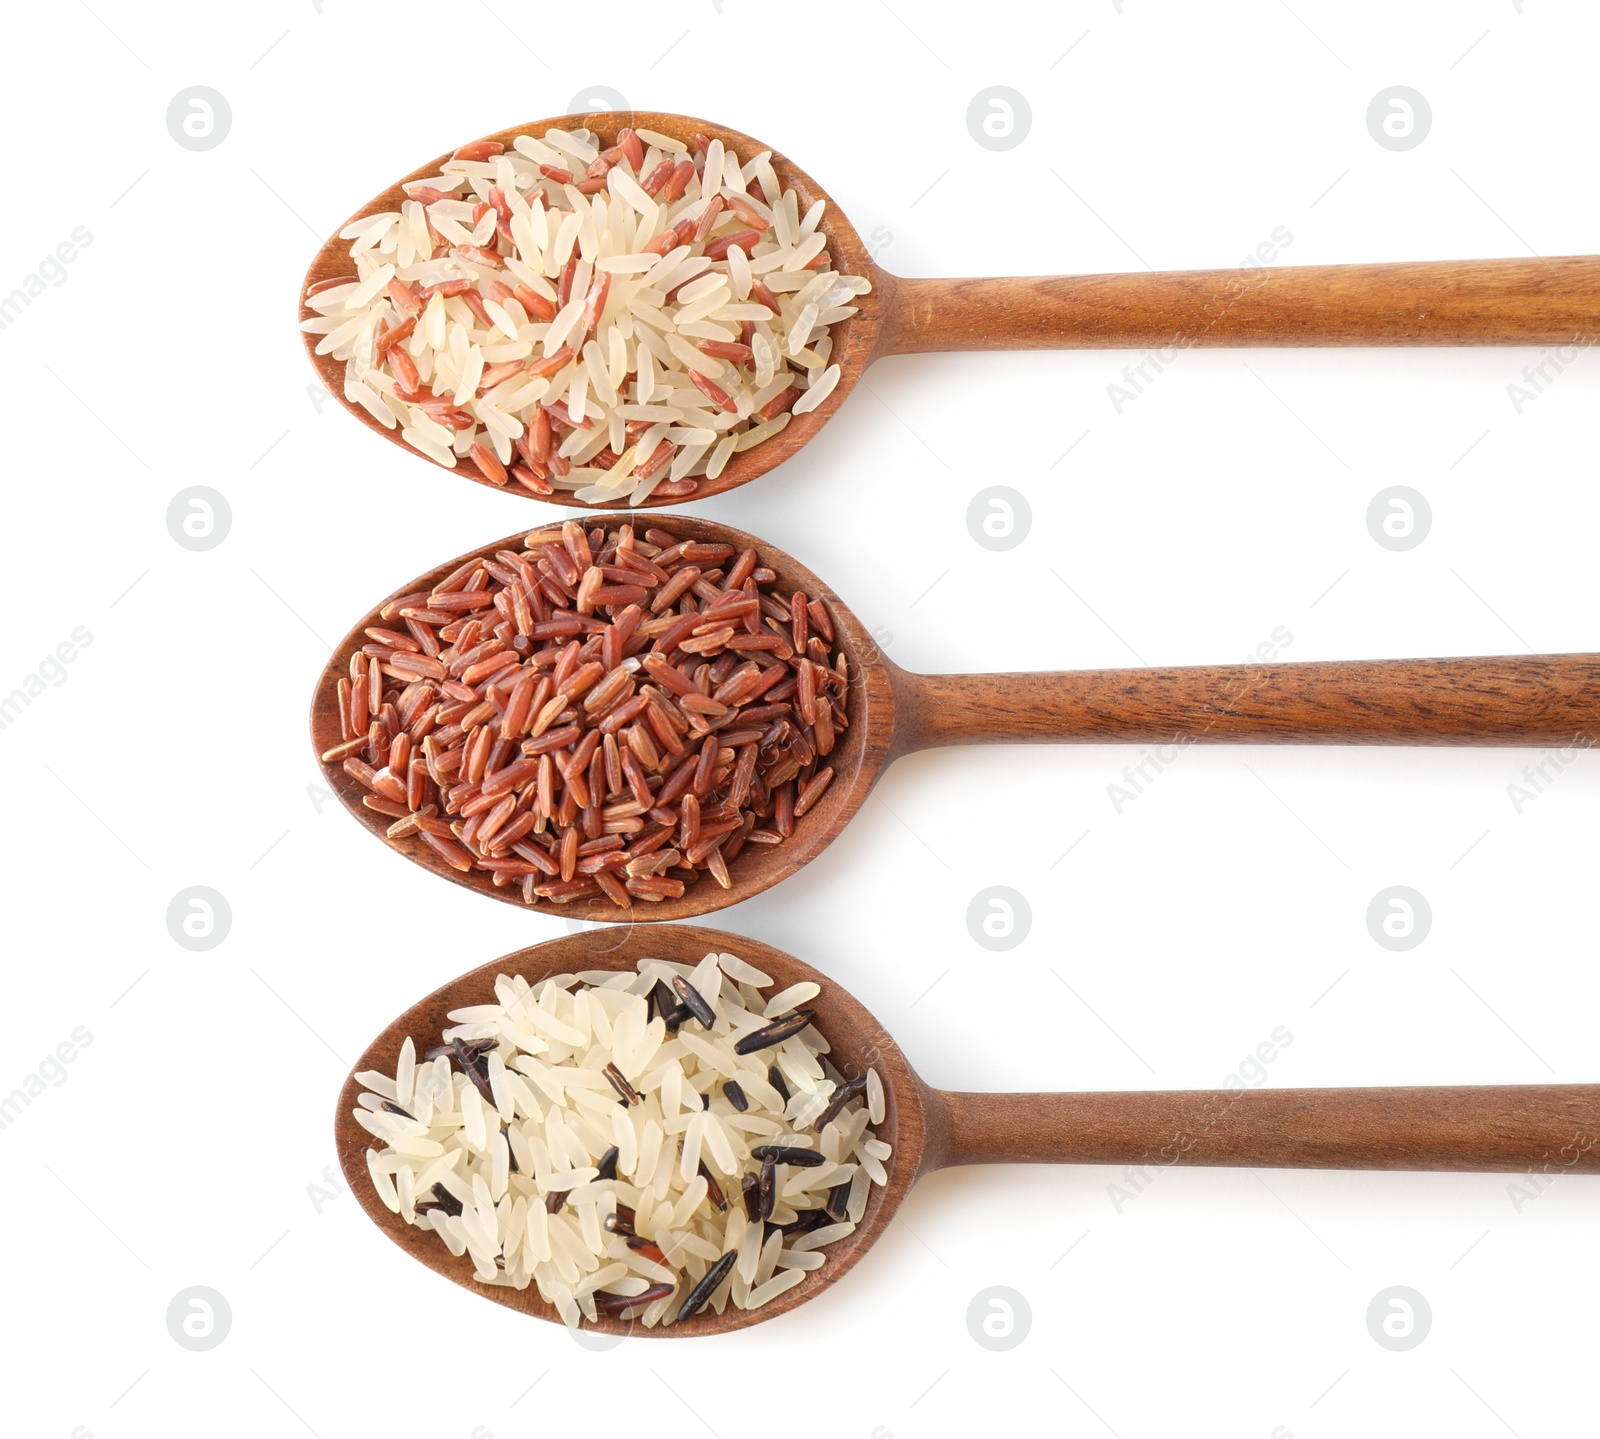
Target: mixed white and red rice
(610, 323)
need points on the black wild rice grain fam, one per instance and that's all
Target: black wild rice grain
(667, 1006)
(841, 1097)
(694, 1001)
(621, 1221)
(838, 1201)
(774, 1033)
(510, 1152)
(775, 1079)
(608, 1164)
(629, 1094)
(734, 1092)
(474, 1047)
(446, 1200)
(394, 1108)
(752, 1197)
(678, 1017)
(769, 1188)
(701, 1294)
(554, 1200)
(713, 1189)
(472, 1066)
(788, 1154)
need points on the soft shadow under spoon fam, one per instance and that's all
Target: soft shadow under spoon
(1531, 700)
(1510, 1128)
(1536, 301)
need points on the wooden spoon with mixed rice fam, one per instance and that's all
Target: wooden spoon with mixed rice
(612, 315)
(641, 1142)
(548, 1128)
(642, 308)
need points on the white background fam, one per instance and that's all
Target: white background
(1229, 899)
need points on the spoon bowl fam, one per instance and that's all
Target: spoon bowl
(1552, 300)
(1506, 1128)
(1532, 700)
(856, 1040)
(857, 759)
(856, 340)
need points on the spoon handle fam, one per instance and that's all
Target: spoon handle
(1445, 302)
(1533, 700)
(1552, 1128)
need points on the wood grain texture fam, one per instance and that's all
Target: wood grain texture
(1449, 302)
(1453, 302)
(1501, 700)
(1538, 700)
(1550, 1129)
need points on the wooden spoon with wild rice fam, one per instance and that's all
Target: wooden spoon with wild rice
(667, 716)
(469, 268)
(1505, 1128)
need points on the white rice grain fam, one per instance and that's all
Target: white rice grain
(819, 391)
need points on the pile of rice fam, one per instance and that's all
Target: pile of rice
(613, 323)
(601, 716)
(641, 1144)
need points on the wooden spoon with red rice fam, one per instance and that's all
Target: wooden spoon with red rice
(663, 716)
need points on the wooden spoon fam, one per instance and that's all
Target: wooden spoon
(1451, 302)
(1532, 700)
(1482, 1127)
